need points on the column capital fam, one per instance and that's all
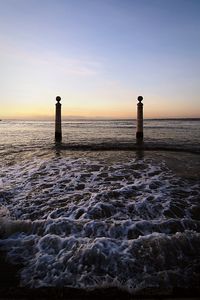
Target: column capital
(58, 99)
(140, 98)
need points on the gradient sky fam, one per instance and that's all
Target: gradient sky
(99, 55)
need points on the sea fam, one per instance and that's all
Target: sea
(98, 210)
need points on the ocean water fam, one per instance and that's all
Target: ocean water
(125, 218)
(174, 133)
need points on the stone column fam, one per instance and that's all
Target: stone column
(58, 129)
(139, 133)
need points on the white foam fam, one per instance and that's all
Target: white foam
(87, 223)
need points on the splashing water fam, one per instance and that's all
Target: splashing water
(99, 219)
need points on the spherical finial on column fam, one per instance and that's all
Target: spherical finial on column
(140, 98)
(58, 98)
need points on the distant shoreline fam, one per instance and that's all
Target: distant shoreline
(71, 119)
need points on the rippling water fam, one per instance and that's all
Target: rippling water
(179, 133)
(91, 219)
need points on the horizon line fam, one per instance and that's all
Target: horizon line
(81, 118)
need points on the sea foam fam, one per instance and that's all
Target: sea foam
(88, 222)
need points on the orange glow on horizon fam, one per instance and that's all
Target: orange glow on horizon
(45, 110)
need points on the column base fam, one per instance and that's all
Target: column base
(58, 136)
(139, 137)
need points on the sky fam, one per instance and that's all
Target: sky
(99, 56)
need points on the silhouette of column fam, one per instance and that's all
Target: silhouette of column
(139, 133)
(58, 129)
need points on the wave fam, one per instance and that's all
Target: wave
(128, 146)
(149, 260)
(102, 221)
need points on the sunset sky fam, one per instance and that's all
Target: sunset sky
(99, 55)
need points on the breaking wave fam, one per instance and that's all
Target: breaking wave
(97, 222)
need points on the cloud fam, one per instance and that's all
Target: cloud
(68, 65)
(73, 66)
